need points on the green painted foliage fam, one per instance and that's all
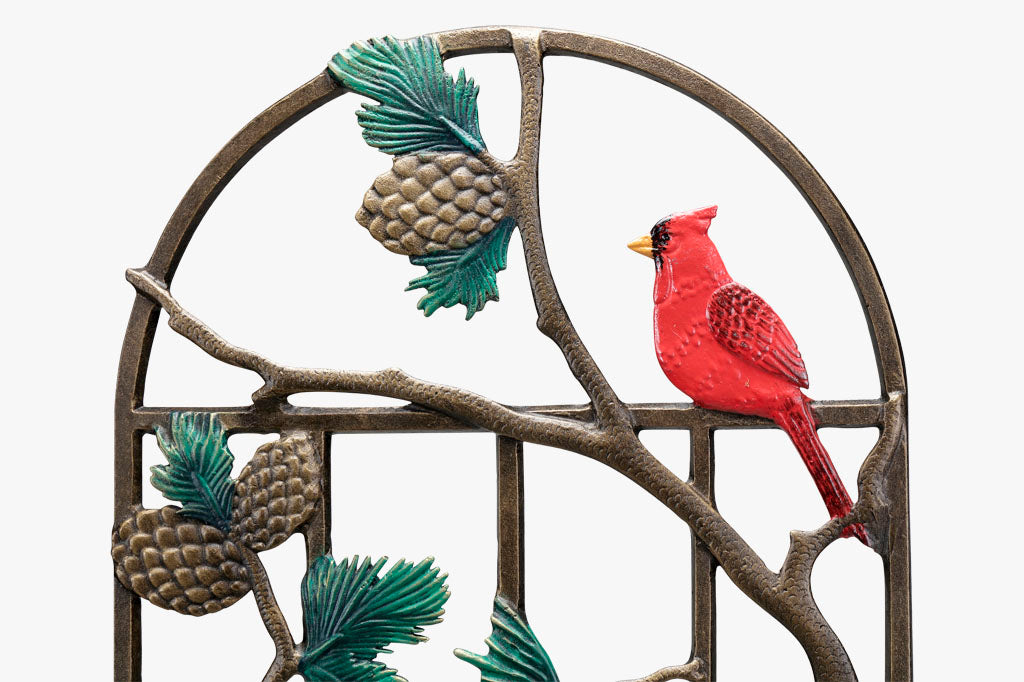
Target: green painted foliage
(198, 469)
(352, 614)
(514, 653)
(421, 108)
(468, 276)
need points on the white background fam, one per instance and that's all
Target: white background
(910, 112)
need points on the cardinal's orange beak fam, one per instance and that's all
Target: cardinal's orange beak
(643, 246)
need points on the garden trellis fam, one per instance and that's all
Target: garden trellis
(605, 429)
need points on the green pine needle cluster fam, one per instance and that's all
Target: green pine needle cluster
(352, 614)
(421, 107)
(513, 652)
(468, 276)
(198, 469)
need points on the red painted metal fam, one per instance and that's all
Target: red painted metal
(724, 346)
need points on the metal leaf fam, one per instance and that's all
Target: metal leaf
(514, 653)
(468, 276)
(198, 469)
(351, 615)
(421, 108)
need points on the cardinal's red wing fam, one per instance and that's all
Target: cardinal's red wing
(745, 324)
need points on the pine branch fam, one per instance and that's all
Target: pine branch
(281, 381)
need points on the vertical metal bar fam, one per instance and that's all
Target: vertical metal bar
(127, 634)
(511, 564)
(127, 606)
(131, 385)
(702, 476)
(318, 529)
(899, 664)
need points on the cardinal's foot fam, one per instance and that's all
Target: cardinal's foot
(857, 530)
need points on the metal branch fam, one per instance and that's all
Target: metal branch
(521, 178)
(527, 49)
(618, 448)
(789, 600)
(193, 329)
(693, 671)
(806, 547)
(281, 381)
(828, 658)
(285, 663)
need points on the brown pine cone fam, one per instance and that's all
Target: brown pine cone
(276, 492)
(431, 202)
(177, 563)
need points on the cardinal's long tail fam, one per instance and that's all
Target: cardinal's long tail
(797, 420)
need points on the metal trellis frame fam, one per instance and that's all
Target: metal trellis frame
(134, 418)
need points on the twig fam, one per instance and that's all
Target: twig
(521, 178)
(692, 671)
(281, 381)
(285, 662)
(805, 547)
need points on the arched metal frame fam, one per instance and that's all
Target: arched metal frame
(133, 419)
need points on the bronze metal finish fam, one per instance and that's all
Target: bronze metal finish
(605, 429)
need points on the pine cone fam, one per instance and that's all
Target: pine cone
(276, 492)
(177, 563)
(432, 202)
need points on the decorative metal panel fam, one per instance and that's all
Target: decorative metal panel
(452, 208)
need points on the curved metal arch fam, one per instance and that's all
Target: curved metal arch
(321, 89)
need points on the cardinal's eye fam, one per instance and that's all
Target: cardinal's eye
(660, 236)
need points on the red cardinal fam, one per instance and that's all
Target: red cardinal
(722, 345)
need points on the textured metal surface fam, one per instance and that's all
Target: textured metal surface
(604, 430)
(455, 199)
(702, 561)
(511, 528)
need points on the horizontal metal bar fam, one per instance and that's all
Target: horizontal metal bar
(410, 418)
